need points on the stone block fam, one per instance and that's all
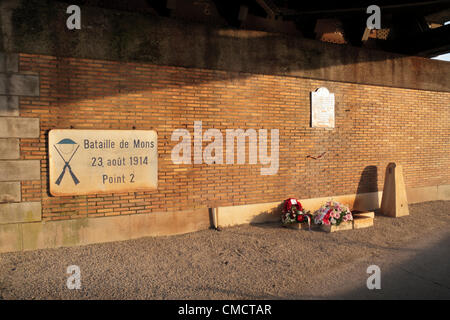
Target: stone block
(9, 62)
(444, 192)
(19, 127)
(52, 234)
(9, 106)
(10, 238)
(10, 192)
(19, 84)
(9, 149)
(422, 194)
(102, 229)
(20, 212)
(169, 223)
(18, 170)
(362, 222)
(333, 228)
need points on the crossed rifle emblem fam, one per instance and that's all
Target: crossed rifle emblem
(67, 145)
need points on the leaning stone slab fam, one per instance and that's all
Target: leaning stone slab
(19, 84)
(9, 106)
(18, 170)
(20, 212)
(10, 192)
(9, 149)
(19, 127)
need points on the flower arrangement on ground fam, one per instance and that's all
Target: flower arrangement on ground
(293, 212)
(333, 213)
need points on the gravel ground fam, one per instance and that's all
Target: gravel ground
(249, 262)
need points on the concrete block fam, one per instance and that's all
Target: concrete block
(362, 222)
(20, 212)
(394, 202)
(169, 223)
(444, 192)
(9, 62)
(10, 237)
(52, 234)
(9, 149)
(18, 170)
(9, 106)
(10, 192)
(19, 84)
(367, 201)
(250, 213)
(333, 228)
(19, 127)
(422, 194)
(103, 229)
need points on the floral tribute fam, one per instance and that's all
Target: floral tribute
(333, 213)
(293, 212)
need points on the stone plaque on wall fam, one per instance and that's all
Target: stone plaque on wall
(322, 108)
(102, 161)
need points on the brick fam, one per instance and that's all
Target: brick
(375, 125)
(10, 192)
(17, 170)
(20, 212)
(19, 127)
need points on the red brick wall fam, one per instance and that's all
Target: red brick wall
(374, 126)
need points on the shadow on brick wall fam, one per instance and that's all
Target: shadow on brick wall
(368, 182)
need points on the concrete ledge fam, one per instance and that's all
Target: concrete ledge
(19, 84)
(9, 106)
(19, 127)
(85, 231)
(20, 212)
(10, 192)
(265, 212)
(9, 149)
(18, 170)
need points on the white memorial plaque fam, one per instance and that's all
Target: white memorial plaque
(322, 108)
(102, 161)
